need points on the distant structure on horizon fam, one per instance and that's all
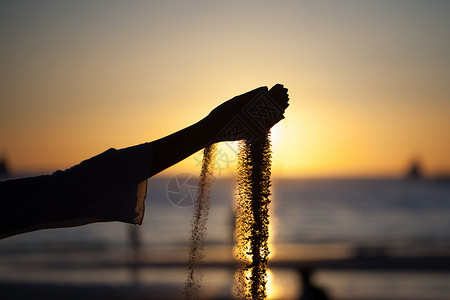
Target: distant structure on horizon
(4, 171)
(415, 170)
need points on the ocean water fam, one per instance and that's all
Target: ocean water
(312, 221)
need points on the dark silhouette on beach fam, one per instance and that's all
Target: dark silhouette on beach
(136, 253)
(415, 170)
(309, 290)
(112, 186)
(4, 170)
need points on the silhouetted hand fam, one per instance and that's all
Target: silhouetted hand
(250, 115)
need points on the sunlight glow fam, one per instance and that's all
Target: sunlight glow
(271, 288)
(135, 72)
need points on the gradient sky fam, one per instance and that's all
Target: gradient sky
(368, 80)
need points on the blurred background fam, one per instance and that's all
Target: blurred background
(361, 171)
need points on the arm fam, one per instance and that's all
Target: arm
(111, 186)
(173, 148)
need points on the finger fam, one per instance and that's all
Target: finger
(256, 91)
(281, 97)
(278, 89)
(260, 89)
(249, 95)
(277, 86)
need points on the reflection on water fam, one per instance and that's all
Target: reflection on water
(252, 217)
(386, 285)
(218, 282)
(315, 220)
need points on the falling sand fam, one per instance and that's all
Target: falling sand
(198, 226)
(252, 217)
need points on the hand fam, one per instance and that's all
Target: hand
(250, 115)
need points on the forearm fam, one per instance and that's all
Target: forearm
(173, 148)
(221, 124)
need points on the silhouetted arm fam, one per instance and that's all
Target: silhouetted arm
(112, 186)
(173, 148)
(221, 125)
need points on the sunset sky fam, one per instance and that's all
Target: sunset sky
(369, 81)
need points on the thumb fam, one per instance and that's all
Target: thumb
(257, 91)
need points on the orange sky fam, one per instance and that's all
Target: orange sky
(368, 80)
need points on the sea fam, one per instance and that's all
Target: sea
(361, 238)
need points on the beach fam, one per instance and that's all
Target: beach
(364, 238)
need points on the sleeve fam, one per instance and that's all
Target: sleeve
(111, 186)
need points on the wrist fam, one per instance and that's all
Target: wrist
(207, 130)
